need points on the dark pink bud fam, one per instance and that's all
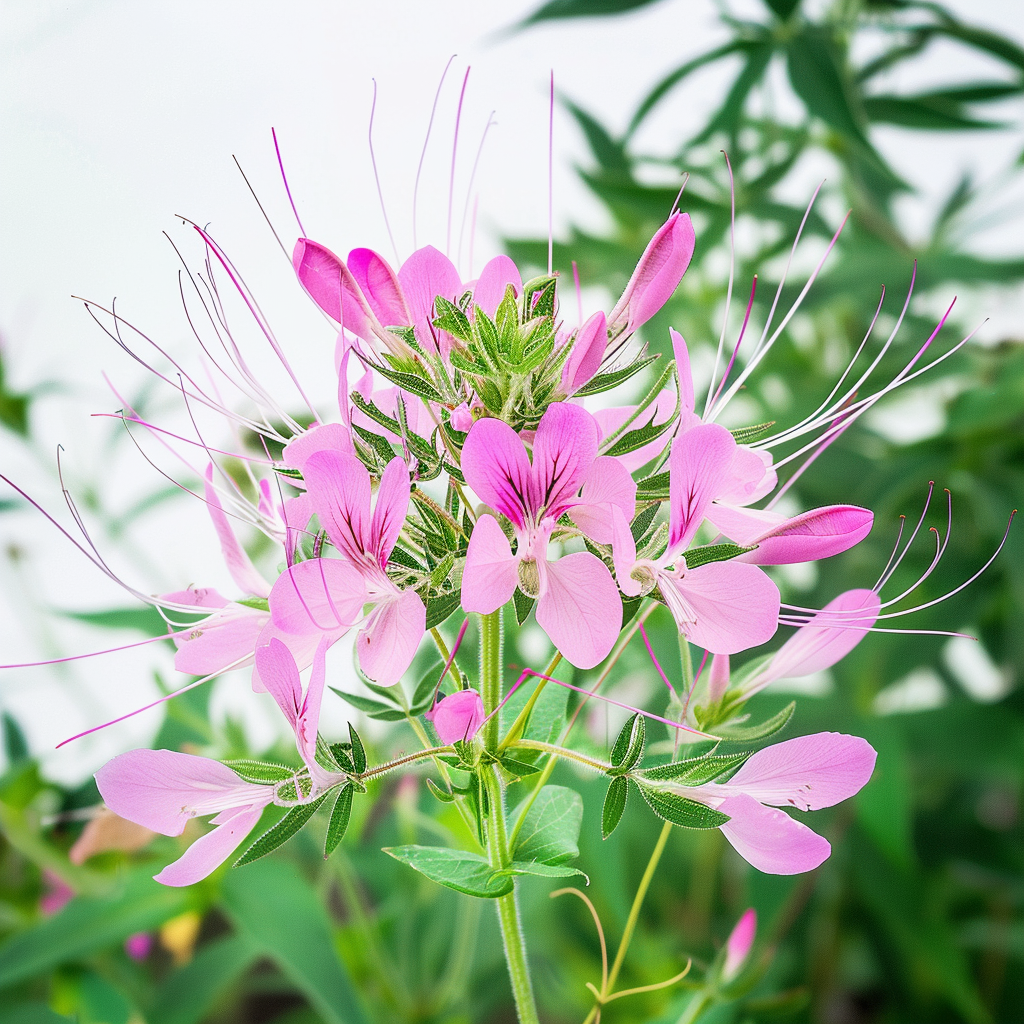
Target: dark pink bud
(657, 275)
(737, 946)
(586, 355)
(457, 717)
(330, 285)
(816, 534)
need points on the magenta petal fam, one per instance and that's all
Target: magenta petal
(607, 484)
(808, 772)
(830, 635)
(494, 279)
(331, 286)
(321, 595)
(820, 533)
(586, 355)
(681, 354)
(223, 640)
(243, 572)
(208, 852)
(390, 510)
(457, 717)
(769, 839)
(163, 789)
(564, 449)
(734, 608)
(580, 608)
(490, 577)
(426, 274)
(389, 642)
(339, 490)
(379, 283)
(698, 464)
(324, 437)
(496, 467)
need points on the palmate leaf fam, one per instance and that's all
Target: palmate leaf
(281, 832)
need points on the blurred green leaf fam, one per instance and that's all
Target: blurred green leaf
(188, 994)
(556, 9)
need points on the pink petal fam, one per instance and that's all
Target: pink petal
(563, 452)
(494, 279)
(770, 839)
(324, 437)
(426, 274)
(308, 720)
(829, 636)
(303, 647)
(608, 485)
(495, 465)
(820, 533)
(718, 677)
(750, 477)
(737, 946)
(742, 525)
(698, 464)
(490, 577)
(624, 554)
(280, 677)
(243, 572)
(200, 597)
(808, 772)
(390, 511)
(163, 789)
(339, 490)
(586, 355)
(681, 354)
(321, 595)
(379, 283)
(457, 717)
(330, 285)
(609, 420)
(579, 609)
(223, 640)
(734, 607)
(208, 852)
(392, 636)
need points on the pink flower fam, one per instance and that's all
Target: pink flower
(588, 349)
(737, 946)
(457, 717)
(325, 596)
(723, 607)
(578, 604)
(164, 789)
(656, 276)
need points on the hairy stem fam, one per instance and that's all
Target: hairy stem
(490, 674)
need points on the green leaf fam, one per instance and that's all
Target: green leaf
(745, 435)
(276, 910)
(629, 745)
(642, 523)
(634, 439)
(783, 9)
(31, 1013)
(750, 733)
(339, 820)
(358, 750)
(260, 772)
(551, 829)
(371, 708)
(556, 9)
(440, 607)
(451, 319)
(653, 488)
(695, 771)
(15, 744)
(614, 805)
(520, 768)
(607, 381)
(146, 620)
(607, 151)
(259, 603)
(188, 994)
(681, 810)
(706, 553)
(458, 869)
(924, 112)
(281, 832)
(411, 382)
(532, 867)
(88, 924)
(524, 605)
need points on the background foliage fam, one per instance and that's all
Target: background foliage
(919, 914)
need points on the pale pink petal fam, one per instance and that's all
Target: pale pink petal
(769, 839)
(163, 789)
(586, 355)
(321, 595)
(579, 608)
(208, 852)
(750, 477)
(200, 597)
(457, 717)
(461, 418)
(681, 354)
(339, 490)
(494, 279)
(741, 524)
(426, 274)
(495, 465)
(324, 437)
(718, 677)
(698, 463)
(490, 577)
(820, 533)
(737, 946)
(392, 636)
(808, 772)
(723, 606)
(330, 285)
(243, 572)
(308, 719)
(624, 554)
(280, 677)
(390, 511)
(379, 283)
(223, 640)
(563, 452)
(830, 635)
(303, 648)
(608, 485)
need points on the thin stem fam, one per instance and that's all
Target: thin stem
(572, 755)
(490, 674)
(520, 723)
(390, 766)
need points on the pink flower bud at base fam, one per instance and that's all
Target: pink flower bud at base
(737, 946)
(457, 717)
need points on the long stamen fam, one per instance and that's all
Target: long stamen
(739, 341)
(288, 191)
(728, 291)
(455, 152)
(551, 174)
(469, 189)
(657, 665)
(423, 152)
(376, 176)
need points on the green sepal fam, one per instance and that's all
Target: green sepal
(744, 435)
(260, 772)
(614, 805)
(457, 869)
(340, 816)
(695, 771)
(681, 810)
(259, 603)
(280, 833)
(628, 748)
(750, 733)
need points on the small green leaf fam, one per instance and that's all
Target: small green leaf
(745, 435)
(458, 869)
(555, 9)
(520, 768)
(552, 827)
(695, 771)
(411, 382)
(371, 708)
(607, 381)
(629, 745)
(440, 607)
(747, 734)
(15, 744)
(614, 805)
(532, 867)
(524, 605)
(451, 319)
(642, 523)
(635, 439)
(260, 772)
(358, 750)
(653, 488)
(443, 795)
(340, 816)
(715, 553)
(280, 833)
(681, 810)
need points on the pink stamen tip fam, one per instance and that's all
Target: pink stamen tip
(451, 658)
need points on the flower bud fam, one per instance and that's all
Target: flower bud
(657, 275)
(737, 946)
(586, 355)
(457, 717)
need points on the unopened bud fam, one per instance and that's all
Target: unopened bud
(457, 717)
(737, 946)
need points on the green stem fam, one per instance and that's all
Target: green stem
(490, 674)
(508, 912)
